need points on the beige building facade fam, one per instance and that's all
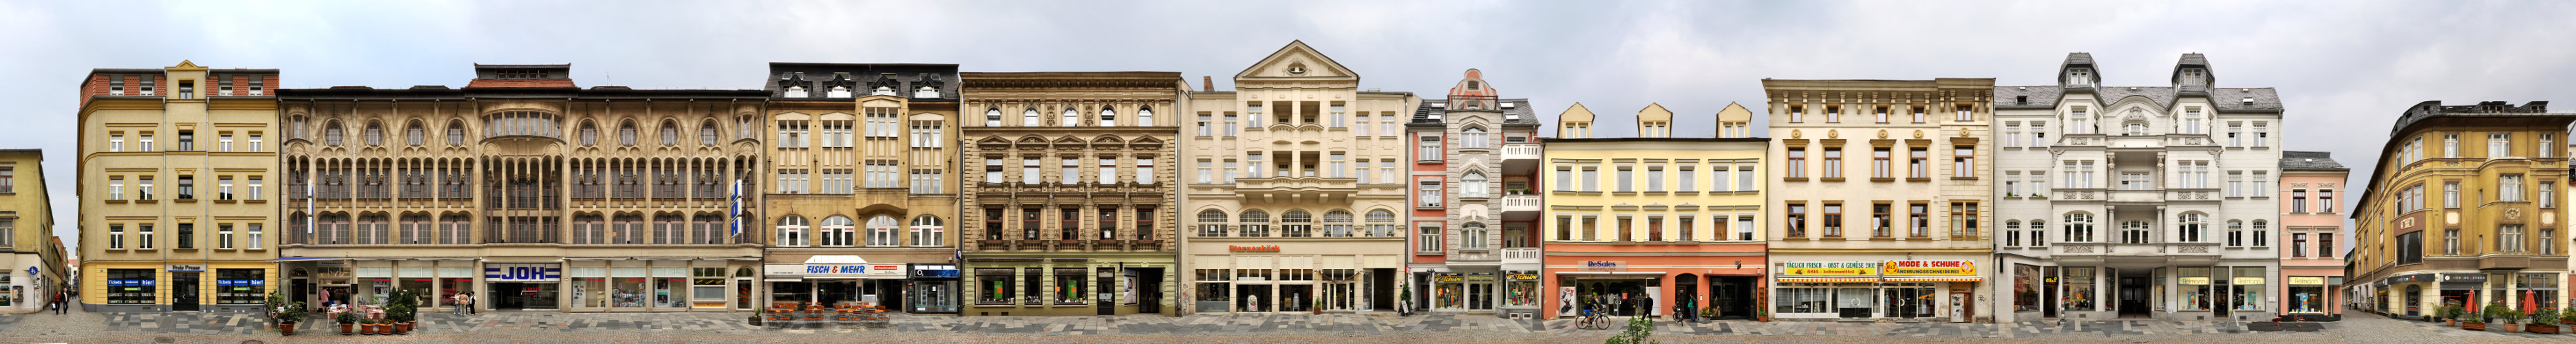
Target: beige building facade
(35, 270)
(176, 175)
(862, 185)
(1071, 193)
(1878, 188)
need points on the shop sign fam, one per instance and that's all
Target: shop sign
(888, 270)
(2195, 281)
(187, 268)
(707, 281)
(2478, 278)
(935, 270)
(535, 272)
(1252, 248)
(1930, 268)
(1486, 278)
(1605, 266)
(2307, 280)
(1521, 276)
(246, 282)
(1828, 268)
(2246, 281)
(1448, 278)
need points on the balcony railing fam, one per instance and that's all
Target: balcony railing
(1520, 203)
(1514, 151)
(1521, 255)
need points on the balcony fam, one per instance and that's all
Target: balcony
(1297, 189)
(1520, 151)
(1521, 203)
(2158, 254)
(1521, 255)
(2138, 196)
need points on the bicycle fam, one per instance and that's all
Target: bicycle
(1593, 319)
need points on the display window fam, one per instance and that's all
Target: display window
(241, 286)
(628, 292)
(1069, 286)
(131, 286)
(993, 285)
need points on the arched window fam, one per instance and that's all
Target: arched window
(589, 134)
(1029, 118)
(2133, 232)
(925, 92)
(1255, 223)
(797, 92)
(1211, 223)
(2133, 129)
(883, 91)
(1108, 116)
(927, 231)
(626, 134)
(1473, 185)
(1381, 223)
(2194, 227)
(298, 126)
(414, 135)
(1337, 223)
(670, 134)
(2079, 227)
(1472, 236)
(2235, 233)
(836, 231)
(992, 117)
(881, 231)
(456, 133)
(2012, 233)
(331, 133)
(791, 231)
(1473, 137)
(707, 133)
(1145, 117)
(1297, 223)
(1071, 119)
(375, 134)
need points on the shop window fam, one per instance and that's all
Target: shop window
(131, 286)
(1070, 286)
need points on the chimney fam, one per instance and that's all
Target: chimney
(1208, 81)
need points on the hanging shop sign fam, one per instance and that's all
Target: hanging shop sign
(186, 267)
(1448, 278)
(522, 272)
(1252, 248)
(934, 271)
(2246, 281)
(1829, 268)
(1930, 268)
(1605, 266)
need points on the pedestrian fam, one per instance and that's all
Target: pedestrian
(469, 305)
(57, 303)
(456, 303)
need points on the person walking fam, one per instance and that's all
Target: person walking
(458, 302)
(60, 307)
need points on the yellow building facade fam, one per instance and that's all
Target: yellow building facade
(34, 270)
(2463, 209)
(1677, 219)
(176, 212)
(862, 173)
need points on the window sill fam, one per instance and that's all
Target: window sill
(1830, 179)
(146, 201)
(1964, 178)
(112, 201)
(1624, 193)
(1920, 179)
(225, 201)
(1882, 179)
(1793, 179)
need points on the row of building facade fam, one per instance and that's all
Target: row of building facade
(932, 190)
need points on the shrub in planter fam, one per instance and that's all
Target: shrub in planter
(286, 313)
(2543, 321)
(347, 321)
(2504, 318)
(2450, 315)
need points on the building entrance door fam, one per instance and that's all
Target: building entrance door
(2133, 296)
(183, 291)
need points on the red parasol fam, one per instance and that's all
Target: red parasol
(2527, 303)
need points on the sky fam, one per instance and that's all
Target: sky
(2345, 69)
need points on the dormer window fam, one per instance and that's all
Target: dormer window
(926, 92)
(2249, 101)
(2079, 77)
(797, 92)
(992, 117)
(115, 85)
(838, 92)
(1108, 117)
(883, 91)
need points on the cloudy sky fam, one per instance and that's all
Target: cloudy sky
(2346, 68)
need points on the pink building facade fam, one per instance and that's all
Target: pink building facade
(2312, 223)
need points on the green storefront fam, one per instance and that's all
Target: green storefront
(1069, 284)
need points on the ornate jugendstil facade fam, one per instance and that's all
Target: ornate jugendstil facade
(521, 187)
(1070, 197)
(2146, 201)
(2463, 210)
(2312, 262)
(176, 188)
(1881, 187)
(1295, 195)
(1653, 222)
(863, 185)
(27, 235)
(1484, 257)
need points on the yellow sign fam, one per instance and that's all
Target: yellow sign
(1930, 268)
(1828, 268)
(2195, 281)
(2246, 281)
(2307, 280)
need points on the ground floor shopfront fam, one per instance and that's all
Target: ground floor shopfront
(1068, 284)
(1329, 275)
(573, 285)
(2312, 291)
(921, 288)
(1729, 286)
(27, 283)
(2037, 289)
(1506, 291)
(1928, 287)
(2422, 293)
(160, 286)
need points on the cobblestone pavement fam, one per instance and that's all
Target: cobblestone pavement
(547, 327)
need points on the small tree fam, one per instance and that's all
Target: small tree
(1639, 328)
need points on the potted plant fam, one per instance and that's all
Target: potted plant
(2472, 323)
(347, 321)
(1761, 315)
(756, 314)
(2450, 315)
(287, 316)
(402, 310)
(2543, 321)
(2567, 316)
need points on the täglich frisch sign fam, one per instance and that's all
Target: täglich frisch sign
(1930, 268)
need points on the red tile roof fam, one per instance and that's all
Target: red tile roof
(520, 83)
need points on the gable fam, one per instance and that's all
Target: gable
(1297, 54)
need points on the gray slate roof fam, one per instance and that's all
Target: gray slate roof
(816, 74)
(2226, 99)
(2310, 161)
(1520, 107)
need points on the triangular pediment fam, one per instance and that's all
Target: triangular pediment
(1297, 57)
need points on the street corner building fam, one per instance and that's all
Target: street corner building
(2462, 211)
(1475, 157)
(1298, 186)
(1073, 194)
(33, 272)
(521, 187)
(1883, 187)
(1654, 224)
(175, 164)
(863, 186)
(2138, 201)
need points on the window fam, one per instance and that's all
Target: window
(2078, 123)
(2410, 248)
(8, 181)
(1591, 179)
(1108, 170)
(1963, 162)
(2451, 145)
(1963, 220)
(1070, 170)
(1744, 178)
(1797, 162)
(1627, 178)
(1429, 149)
(1565, 178)
(1430, 193)
(2235, 233)
(1108, 117)
(2012, 233)
(1029, 117)
(1204, 122)
(1254, 223)
(1029, 171)
(791, 231)
(2325, 201)
(2079, 227)
(143, 189)
(254, 143)
(1833, 220)
(2548, 242)
(1070, 118)
(2191, 120)
(1474, 185)
(1472, 138)
(223, 188)
(881, 231)
(146, 143)
(1833, 162)
(1230, 128)
(2299, 201)
(256, 236)
(144, 242)
(2236, 184)
(2509, 238)
(2133, 129)
(1687, 179)
(1833, 114)
(1962, 113)
(1429, 239)
(1381, 223)
(115, 142)
(2499, 145)
(2451, 195)
(2079, 174)
(1878, 221)
(2548, 146)
(1881, 114)
(2451, 242)
(1211, 223)
(1878, 164)
(1145, 116)
(2509, 188)
(1797, 220)
(2195, 227)
(2548, 194)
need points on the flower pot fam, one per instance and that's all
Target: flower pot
(285, 329)
(403, 327)
(2451, 322)
(344, 328)
(2541, 328)
(2473, 326)
(2509, 328)
(371, 329)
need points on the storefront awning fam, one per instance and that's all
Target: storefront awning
(1828, 279)
(1935, 279)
